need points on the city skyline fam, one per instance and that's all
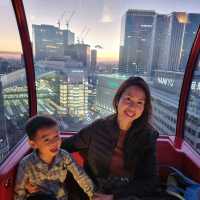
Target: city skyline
(104, 25)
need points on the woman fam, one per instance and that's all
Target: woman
(120, 150)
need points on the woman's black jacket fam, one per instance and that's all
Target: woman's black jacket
(97, 142)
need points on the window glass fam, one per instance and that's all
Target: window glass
(192, 123)
(83, 51)
(13, 88)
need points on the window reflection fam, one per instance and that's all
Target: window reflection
(13, 89)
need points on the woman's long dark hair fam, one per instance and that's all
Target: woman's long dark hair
(132, 146)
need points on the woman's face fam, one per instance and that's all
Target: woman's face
(130, 106)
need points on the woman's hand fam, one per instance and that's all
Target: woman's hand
(100, 196)
(31, 188)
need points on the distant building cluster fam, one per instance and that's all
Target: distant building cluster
(151, 41)
(52, 43)
(55, 49)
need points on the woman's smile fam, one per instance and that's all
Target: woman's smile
(129, 113)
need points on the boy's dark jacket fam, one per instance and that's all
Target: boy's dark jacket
(97, 142)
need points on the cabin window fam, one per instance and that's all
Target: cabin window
(83, 50)
(192, 123)
(14, 107)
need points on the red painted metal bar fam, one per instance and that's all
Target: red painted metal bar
(27, 53)
(185, 90)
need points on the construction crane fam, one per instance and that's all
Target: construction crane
(79, 36)
(69, 19)
(60, 19)
(86, 33)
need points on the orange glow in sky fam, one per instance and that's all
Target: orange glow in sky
(107, 56)
(10, 46)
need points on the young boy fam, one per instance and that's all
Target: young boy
(47, 166)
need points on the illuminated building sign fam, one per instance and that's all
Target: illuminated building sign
(172, 83)
(195, 86)
(166, 81)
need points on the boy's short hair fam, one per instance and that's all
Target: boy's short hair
(38, 122)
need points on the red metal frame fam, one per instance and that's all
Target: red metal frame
(26, 44)
(28, 54)
(183, 156)
(185, 90)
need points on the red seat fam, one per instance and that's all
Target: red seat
(167, 154)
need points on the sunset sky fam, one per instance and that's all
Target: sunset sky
(101, 17)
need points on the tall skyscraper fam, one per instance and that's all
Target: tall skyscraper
(172, 41)
(136, 41)
(93, 60)
(189, 36)
(50, 41)
(176, 30)
(160, 42)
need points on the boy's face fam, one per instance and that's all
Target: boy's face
(47, 141)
